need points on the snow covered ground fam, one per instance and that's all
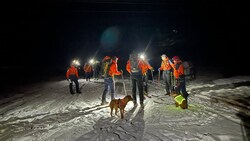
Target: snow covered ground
(219, 111)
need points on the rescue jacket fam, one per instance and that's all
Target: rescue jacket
(178, 69)
(165, 65)
(72, 71)
(113, 70)
(144, 66)
(87, 68)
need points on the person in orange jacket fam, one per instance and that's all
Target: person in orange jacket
(72, 75)
(179, 76)
(166, 74)
(109, 79)
(145, 67)
(137, 73)
(88, 71)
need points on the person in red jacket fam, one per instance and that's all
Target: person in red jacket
(109, 80)
(88, 70)
(72, 76)
(179, 76)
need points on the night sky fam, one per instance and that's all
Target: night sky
(45, 34)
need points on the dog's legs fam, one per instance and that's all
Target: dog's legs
(116, 110)
(111, 113)
(122, 112)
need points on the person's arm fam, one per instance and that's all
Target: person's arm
(149, 66)
(171, 64)
(128, 67)
(114, 69)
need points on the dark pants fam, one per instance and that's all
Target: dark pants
(181, 88)
(88, 75)
(96, 73)
(74, 79)
(137, 80)
(109, 84)
(167, 80)
(145, 83)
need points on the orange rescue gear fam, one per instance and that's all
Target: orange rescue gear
(144, 66)
(165, 65)
(178, 68)
(72, 71)
(87, 68)
(113, 70)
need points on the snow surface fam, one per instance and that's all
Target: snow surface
(219, 110)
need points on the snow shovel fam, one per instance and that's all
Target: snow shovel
(124, 86)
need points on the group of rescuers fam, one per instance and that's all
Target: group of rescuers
(173, 76)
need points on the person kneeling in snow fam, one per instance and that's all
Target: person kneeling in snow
(179, 76)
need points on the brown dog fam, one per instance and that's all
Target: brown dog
(119, 103)
(182, 104)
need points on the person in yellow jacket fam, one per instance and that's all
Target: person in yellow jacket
(72, 76)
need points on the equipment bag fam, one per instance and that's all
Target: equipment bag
(106, 63)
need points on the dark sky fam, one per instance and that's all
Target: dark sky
(47, 33)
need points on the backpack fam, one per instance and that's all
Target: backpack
(134, 62)
(105, 67)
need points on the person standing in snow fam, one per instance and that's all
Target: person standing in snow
(96, 70)
(112, 70)
(145, 67)
(72, 75)
(137, 68)
(179, 76)
(88, 70)
(166, 67)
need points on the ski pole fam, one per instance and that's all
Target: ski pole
(152, 75)
(159, 76)
(124, 86)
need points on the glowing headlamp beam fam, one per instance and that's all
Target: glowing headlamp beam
(91, 61)
(76, 62)
(142, 56)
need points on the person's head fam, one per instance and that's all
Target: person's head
(114, 59)
(163, 56)
(176, 58)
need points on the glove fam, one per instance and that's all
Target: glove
(159, 69)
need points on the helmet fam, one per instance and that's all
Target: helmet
(175, 58)
(163, 55)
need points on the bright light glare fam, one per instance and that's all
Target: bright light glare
(91, 61)
(76, 62)
(142, 56)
